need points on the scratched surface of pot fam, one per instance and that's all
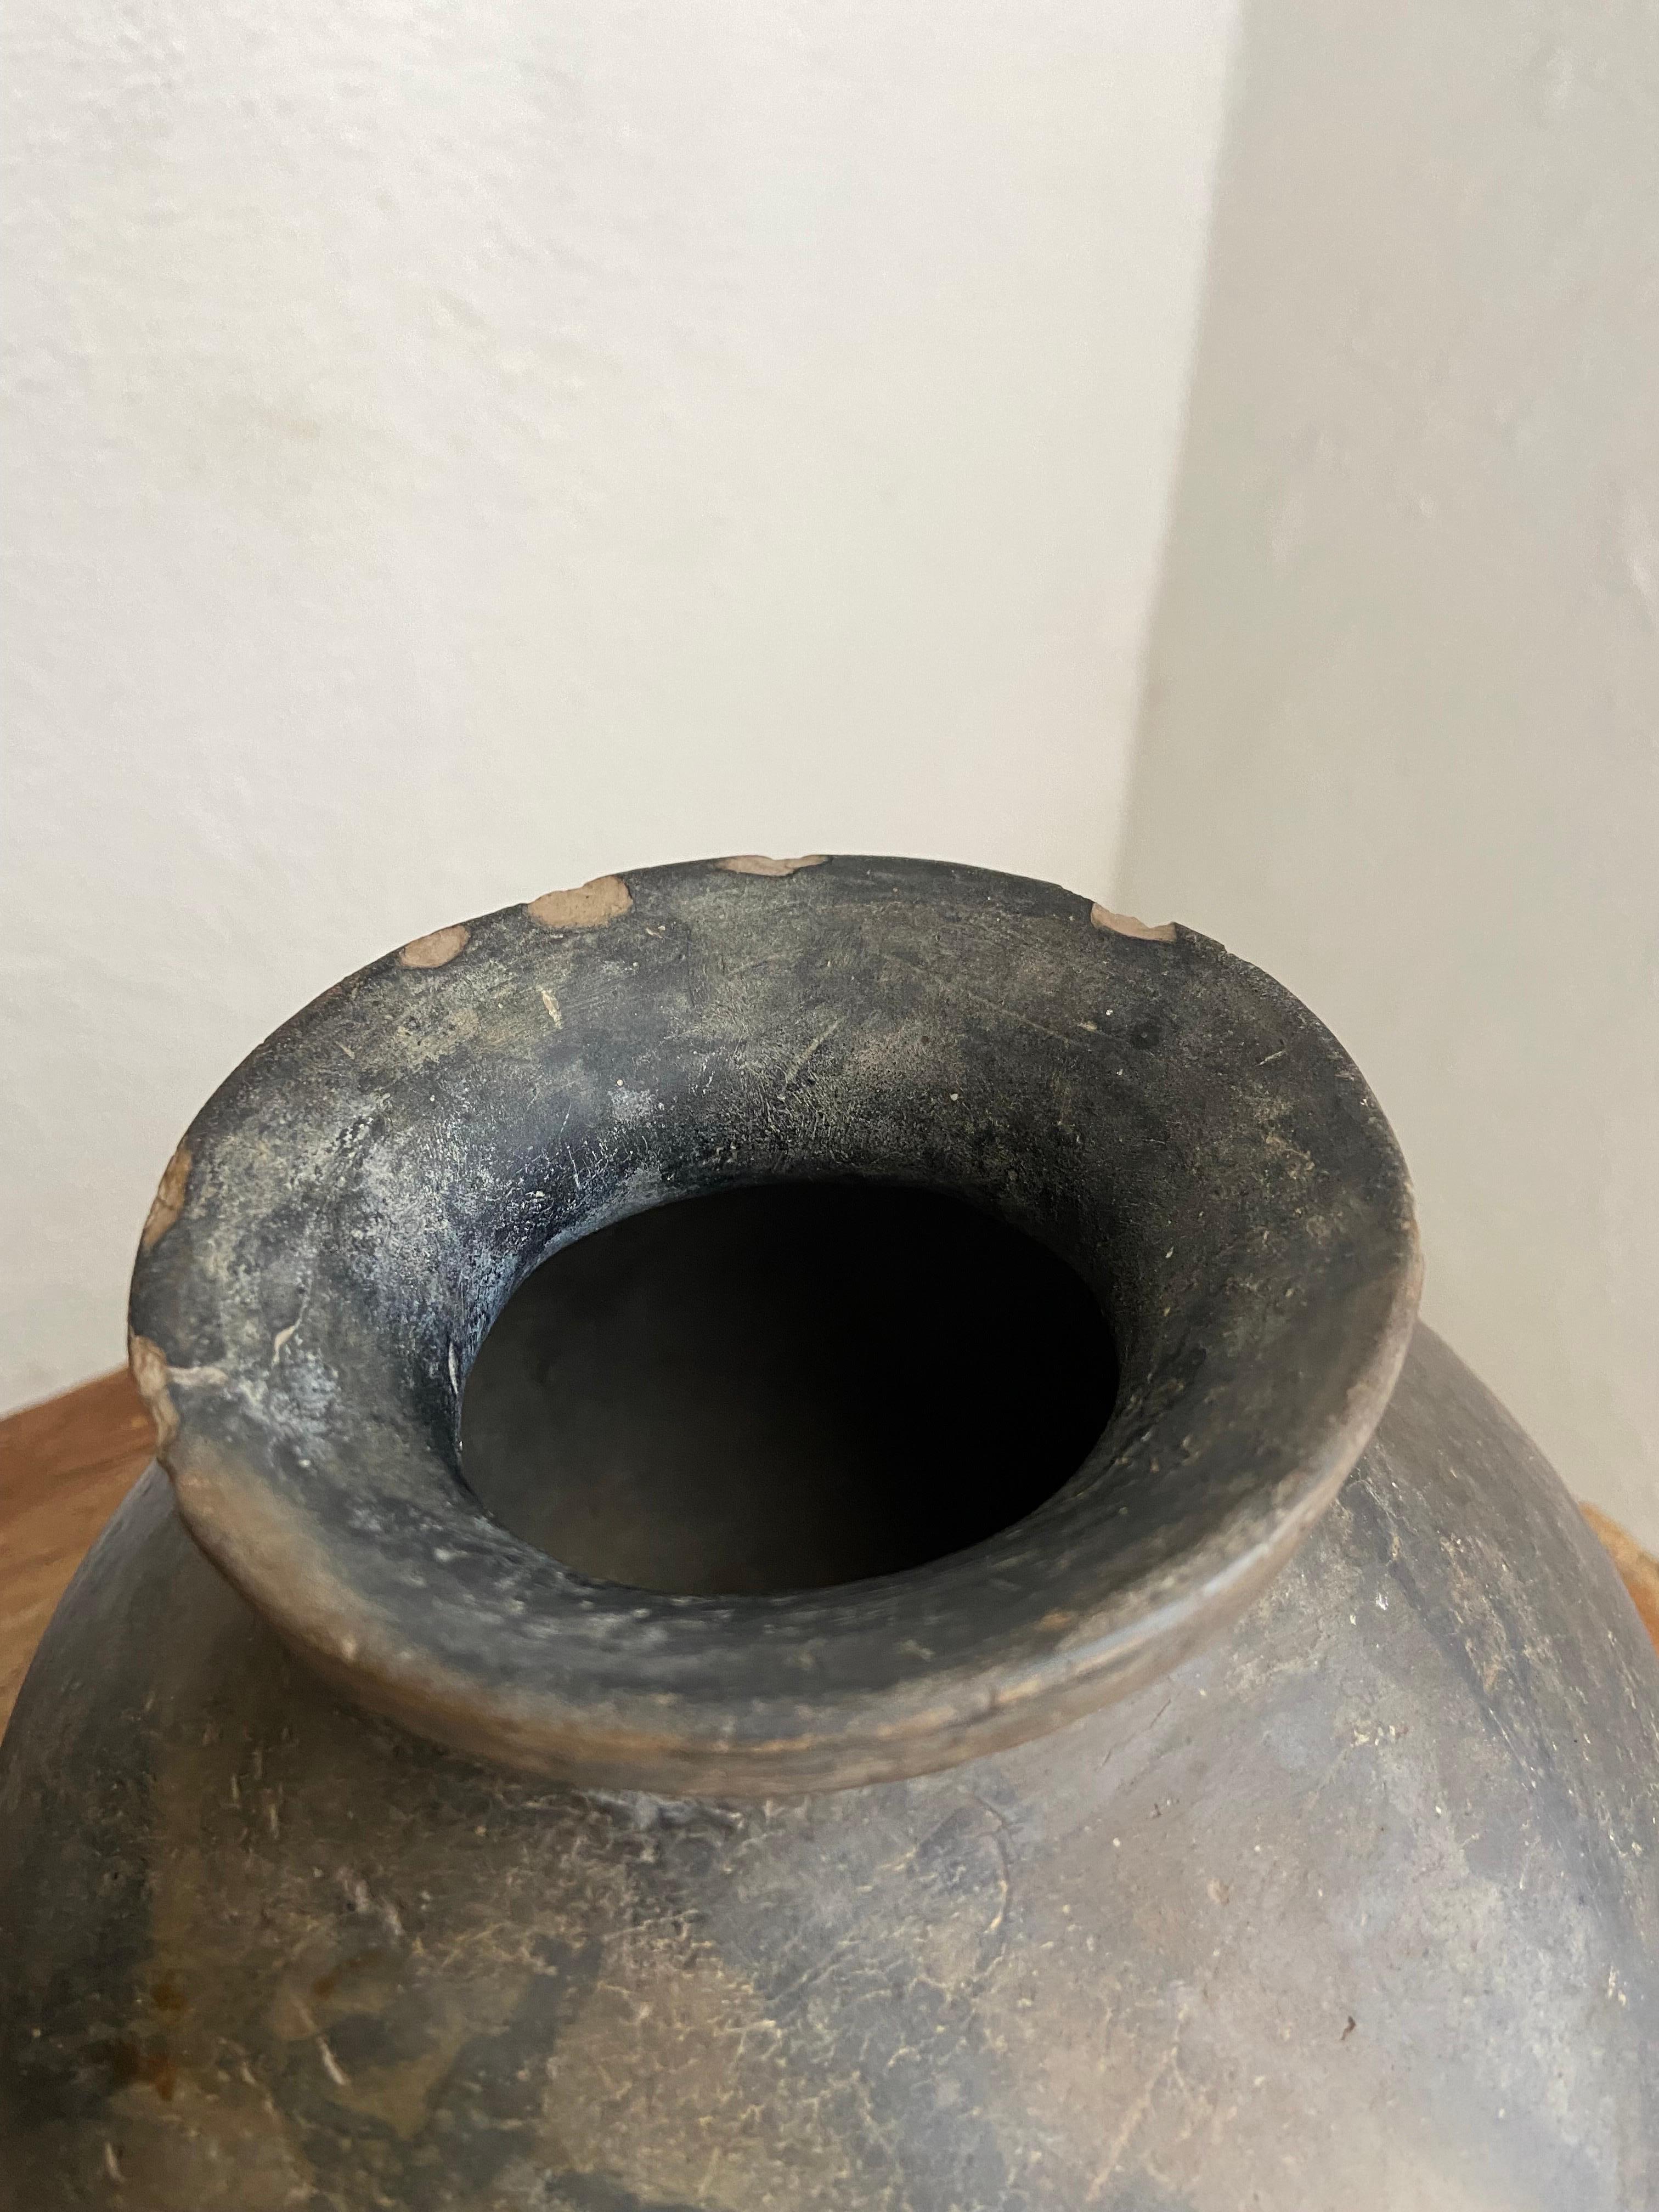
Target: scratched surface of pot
(1357, 1909)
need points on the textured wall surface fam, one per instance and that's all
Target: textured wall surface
(455, 450)
(1402, 732)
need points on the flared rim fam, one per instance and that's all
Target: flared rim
(347, 1216)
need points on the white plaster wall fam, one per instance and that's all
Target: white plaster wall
(1402, 730)
(456, 448)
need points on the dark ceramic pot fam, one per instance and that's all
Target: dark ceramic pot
(973, 1751)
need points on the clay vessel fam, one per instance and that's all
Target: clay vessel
(975, 1661)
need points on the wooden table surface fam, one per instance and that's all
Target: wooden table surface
(65, 1466)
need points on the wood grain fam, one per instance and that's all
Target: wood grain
(66, 1464)
(64, 1468)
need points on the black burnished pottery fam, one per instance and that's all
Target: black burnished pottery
(807, 1560)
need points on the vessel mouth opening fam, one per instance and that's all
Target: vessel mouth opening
(787, 1387)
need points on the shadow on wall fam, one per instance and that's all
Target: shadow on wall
(1401, 730)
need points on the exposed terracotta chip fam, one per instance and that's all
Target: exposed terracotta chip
(589, 906)
(760, 864)
(436, 950)
(168, 1202)
(1130, 924)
